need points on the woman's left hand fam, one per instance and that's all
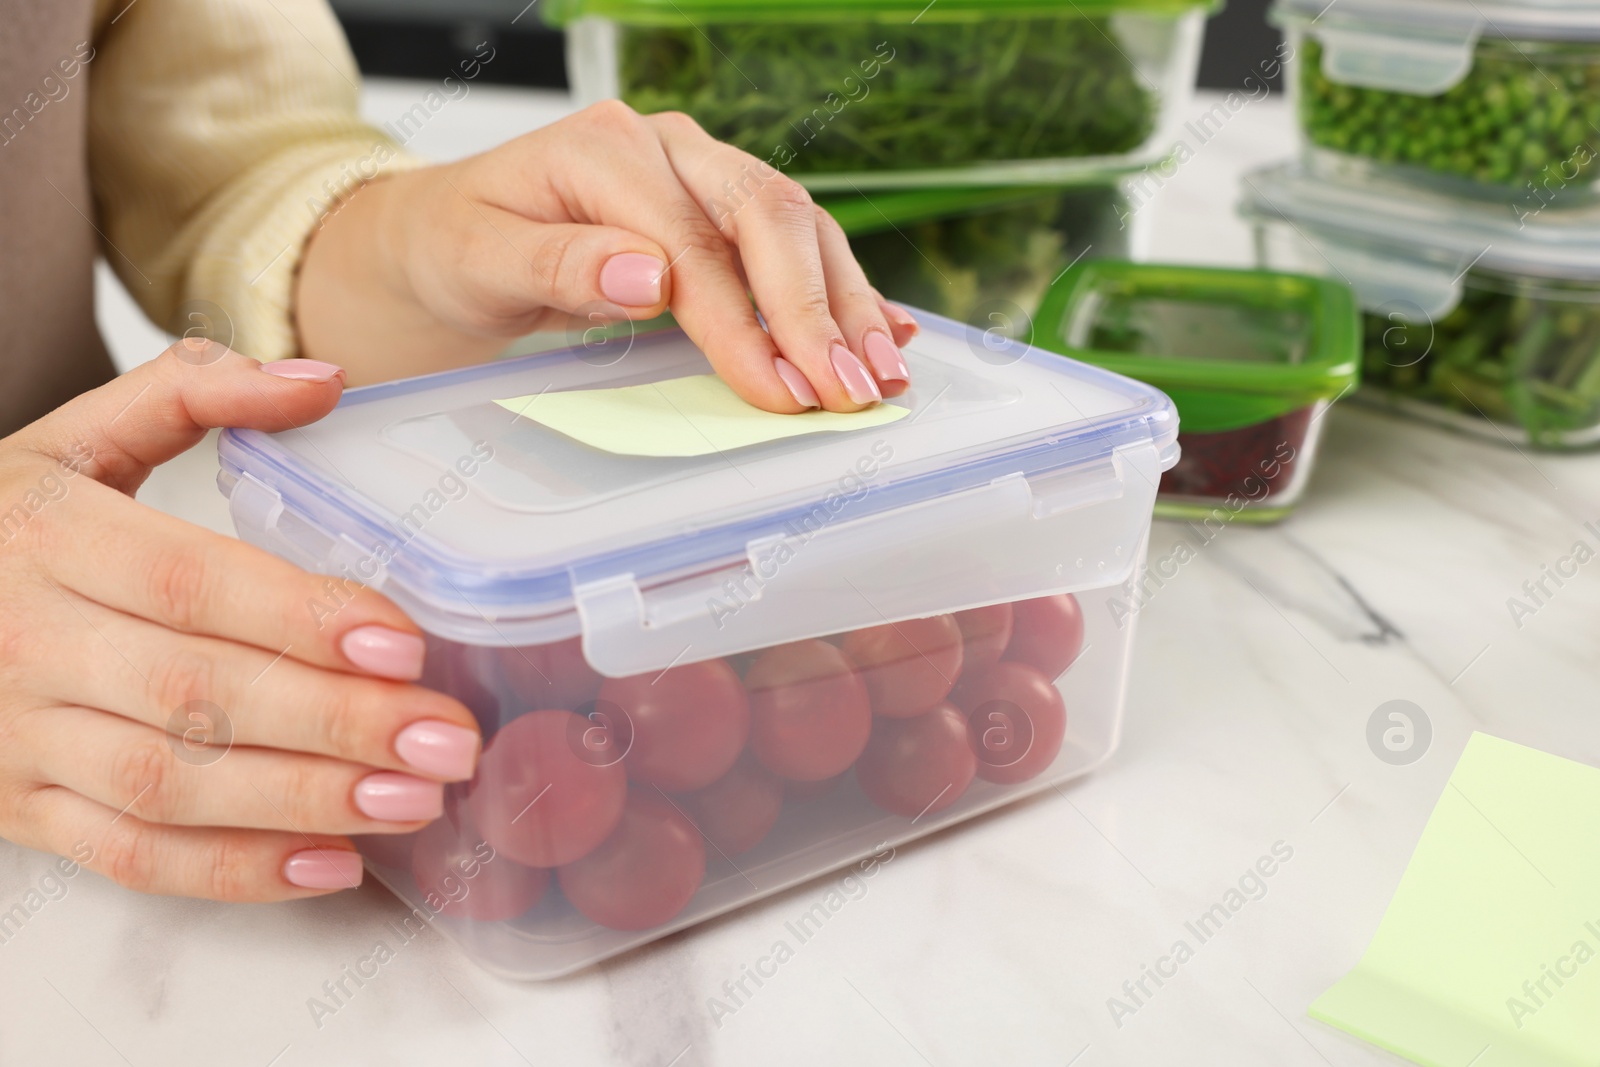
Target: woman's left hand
(610, 214)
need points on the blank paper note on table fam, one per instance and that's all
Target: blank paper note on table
(1489, 953)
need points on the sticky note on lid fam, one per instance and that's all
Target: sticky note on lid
(692, 416)
(1489, 953)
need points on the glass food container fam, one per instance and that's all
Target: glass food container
(1472, 319)
(708, 671)
(1252, 359)
(981, 255)
(842, 94)
(1495, 100)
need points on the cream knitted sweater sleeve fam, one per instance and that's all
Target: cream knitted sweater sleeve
(220, 132)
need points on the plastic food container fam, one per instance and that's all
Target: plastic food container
(1473, 320)
(1252, 359)
(706, 678)
(981, 255)
(1500, 100)
(842, 93)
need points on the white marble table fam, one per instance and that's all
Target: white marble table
(999, 942)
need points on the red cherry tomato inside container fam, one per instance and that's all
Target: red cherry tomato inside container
(985, 633)
(908, 666)
(461, 875)
(809, 712)
(540, 797)
(918, 765)
(1015, 720)
(1046, 633)
(644, 873)
(739, 809)
(689, 723)
(548, 676)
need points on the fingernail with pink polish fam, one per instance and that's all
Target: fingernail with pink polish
(396, 797)
(438, 748)
(887, 362)
(380, 650)
(799, 388)
(897, 315)
(323, 868)
(304, 370)
(858, 384)
(632, 279)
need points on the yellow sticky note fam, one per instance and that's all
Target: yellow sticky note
(1489, 953)
(693, 416)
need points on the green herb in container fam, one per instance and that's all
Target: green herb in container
(842, 93)
(1252, 359)
(1497, 100)
(1472, 320)
(984, 256)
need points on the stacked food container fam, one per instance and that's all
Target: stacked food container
(710, 672)
(971, 148)
(1449, 176)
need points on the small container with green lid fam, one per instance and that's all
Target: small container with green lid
(847, 93)
(1252, 359)
(1498, 99)
(981, 255)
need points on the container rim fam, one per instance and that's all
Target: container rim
(695, 12)
(1578, 20)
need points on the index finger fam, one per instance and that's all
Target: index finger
(111, 549)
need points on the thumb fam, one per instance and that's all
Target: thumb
(143, 418)
(571, 267)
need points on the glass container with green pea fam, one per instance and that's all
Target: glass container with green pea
(1472, 319)
(853, 94)
(1499, 101)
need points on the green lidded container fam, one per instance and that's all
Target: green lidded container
(981, 255)
(1474, 319)
(845, 94)
(1252, 359)
(1497, 99)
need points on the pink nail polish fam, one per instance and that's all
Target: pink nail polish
(304, 370)
(632, 279)
(799, 387)
(380, 650)
(438, 748)
(897, 315)
(887, 362)
(396, 797)
(323, 868)
(858, 384)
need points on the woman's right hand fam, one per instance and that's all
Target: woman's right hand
(132, 644)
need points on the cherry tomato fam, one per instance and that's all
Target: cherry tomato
(548, 676)
(689, 723)
(737, 810)
(644, 873)
(1046, 633)
(386, 850)
(809, 711)
(461, 875)
(908, 666)
(1015, 720)
(805, 792)
(539, 798)
(984, 634)
(919, 765)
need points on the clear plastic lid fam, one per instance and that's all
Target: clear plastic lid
(1393, 241)
(488, 526)
(1425, 47)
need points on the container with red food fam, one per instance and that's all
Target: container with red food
(706, 674)
(1251, 358)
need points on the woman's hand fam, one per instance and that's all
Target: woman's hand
(175, 711)
(606, 212)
